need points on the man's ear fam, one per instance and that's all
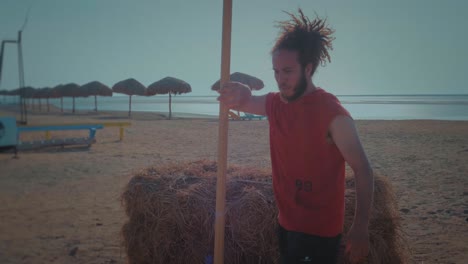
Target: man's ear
(308, 69)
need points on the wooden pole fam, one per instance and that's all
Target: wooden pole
(222, 137)
(24, 110)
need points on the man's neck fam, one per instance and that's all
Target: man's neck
(310, 89)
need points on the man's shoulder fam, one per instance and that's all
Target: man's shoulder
(330, 105)
(272, 98)
(273, 95)
(326, 95)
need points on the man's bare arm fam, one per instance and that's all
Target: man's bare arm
(238, 96)
(345, 136)
(256, 105)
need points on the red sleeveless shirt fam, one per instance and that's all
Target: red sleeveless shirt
(308, 169)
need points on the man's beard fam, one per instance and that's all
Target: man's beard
(299, 90)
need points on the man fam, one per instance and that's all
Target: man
(311, 138)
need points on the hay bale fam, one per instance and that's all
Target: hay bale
(171, 214)
(387, 242)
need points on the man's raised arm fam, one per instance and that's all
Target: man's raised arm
(238, 96)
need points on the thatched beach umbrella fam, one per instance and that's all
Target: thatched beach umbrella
(36, 96)
(95, 89)
(25, 92)
(32, 94)
(44, 93)
(41, 93)
(57, 93)
(72, 90)
(129, 87)
(253, 82)
(169, 85)
(4, 93)
(54, 93)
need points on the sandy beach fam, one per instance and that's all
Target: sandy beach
(62, 205)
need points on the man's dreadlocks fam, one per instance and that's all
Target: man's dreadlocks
(312, 39)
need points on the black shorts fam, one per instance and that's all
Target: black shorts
(296, 247)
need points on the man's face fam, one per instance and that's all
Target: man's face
(289, 74)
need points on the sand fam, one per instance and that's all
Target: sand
(62, 205)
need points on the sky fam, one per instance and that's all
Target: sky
(381, 47)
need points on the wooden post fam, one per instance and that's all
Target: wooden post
(121, 133)
(222, 137)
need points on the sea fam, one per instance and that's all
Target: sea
(361, 107)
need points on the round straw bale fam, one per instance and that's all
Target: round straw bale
(387, 241)
(171, 214)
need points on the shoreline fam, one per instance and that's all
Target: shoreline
(120, 114)
(114, 114)
(361, 107)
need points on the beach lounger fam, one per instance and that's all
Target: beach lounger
(92, 128)
(10, 135)
(120, 125)
(233, 116)
(248, 116)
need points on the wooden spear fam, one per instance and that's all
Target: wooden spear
(222, 137)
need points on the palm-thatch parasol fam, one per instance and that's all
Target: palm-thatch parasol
(4, 93)
(44, 93)
(129, 87)
(54, 93)
(24, 92)
(72, 90)
(169, 85)
(57, 93)
(40, 94)
(253, 82)
(95, 89)
(36, 95)
(32, 94)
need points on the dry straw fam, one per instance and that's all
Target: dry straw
(171, 212)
